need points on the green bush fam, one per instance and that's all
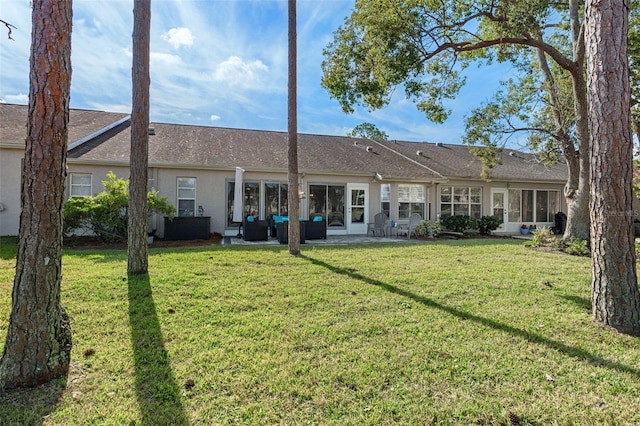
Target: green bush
(543, 237)
(428, 229)
(458, 223)
(105, 214)
(486, 224)
(577, 247)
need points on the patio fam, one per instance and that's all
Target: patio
(331, 240)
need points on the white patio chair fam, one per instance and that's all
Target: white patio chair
(377, 227)
(410, 228)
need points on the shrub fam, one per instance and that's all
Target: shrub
(105, 214)
(428, 228)
(577, 247)
(486, 224)
(458, 223)
(542, 237)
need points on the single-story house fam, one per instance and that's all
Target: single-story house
(345, 180)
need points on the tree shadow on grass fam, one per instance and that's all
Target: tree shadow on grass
(31, 406)
(581, 302)
(571, 351)
(157, 392)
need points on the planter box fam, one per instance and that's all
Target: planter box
(187, 228)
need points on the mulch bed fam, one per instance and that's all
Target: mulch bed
(93, 243)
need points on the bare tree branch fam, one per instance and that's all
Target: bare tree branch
(9, 27)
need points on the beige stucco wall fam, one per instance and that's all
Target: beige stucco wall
(211, 189)
(10, 175)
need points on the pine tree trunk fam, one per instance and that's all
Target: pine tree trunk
(615, 298)
(138, 253)
(294, 196)
(38, 344)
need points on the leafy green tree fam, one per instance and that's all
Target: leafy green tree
(106, 214)
(368, 130)
(424, 47)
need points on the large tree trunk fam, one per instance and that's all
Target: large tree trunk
(294, 196)
(138, 254)
(577, 189)
(615, 298)
(38, 344)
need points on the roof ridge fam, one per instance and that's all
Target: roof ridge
(97, 133)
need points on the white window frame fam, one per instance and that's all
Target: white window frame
(412, 194)
(78, 190)
(182, 197)
(385, 199)
(516, 210)
(468, 203)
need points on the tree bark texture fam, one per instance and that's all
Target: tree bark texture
(294, 196)
(576, 190)
(38, 343)
(615, 298)
(138, 253)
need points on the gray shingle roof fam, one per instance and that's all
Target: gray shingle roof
(225, 148)
(456, 161)
(13, 122)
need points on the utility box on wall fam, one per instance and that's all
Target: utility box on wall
(187, 228)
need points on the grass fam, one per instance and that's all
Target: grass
(458, 332)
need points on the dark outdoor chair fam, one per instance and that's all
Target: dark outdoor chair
(258, 230)
(315, 229)
(283, 232)
(273, 221)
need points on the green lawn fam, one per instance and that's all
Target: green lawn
(457, 332)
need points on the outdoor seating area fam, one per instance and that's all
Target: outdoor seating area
(276, 228)
(383, 227)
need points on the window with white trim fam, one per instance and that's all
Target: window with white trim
(250, 201)
(411, 199)
(530, 205)
(80, 185)
(186, 196)
(327, 201)
(275, 199)
(465, 201)
(385, 198)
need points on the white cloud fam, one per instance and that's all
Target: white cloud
(214, 117)
(234, 71)
(20, 99)
(164, 58)
(178, 37)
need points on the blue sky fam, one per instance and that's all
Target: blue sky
(221, 63)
